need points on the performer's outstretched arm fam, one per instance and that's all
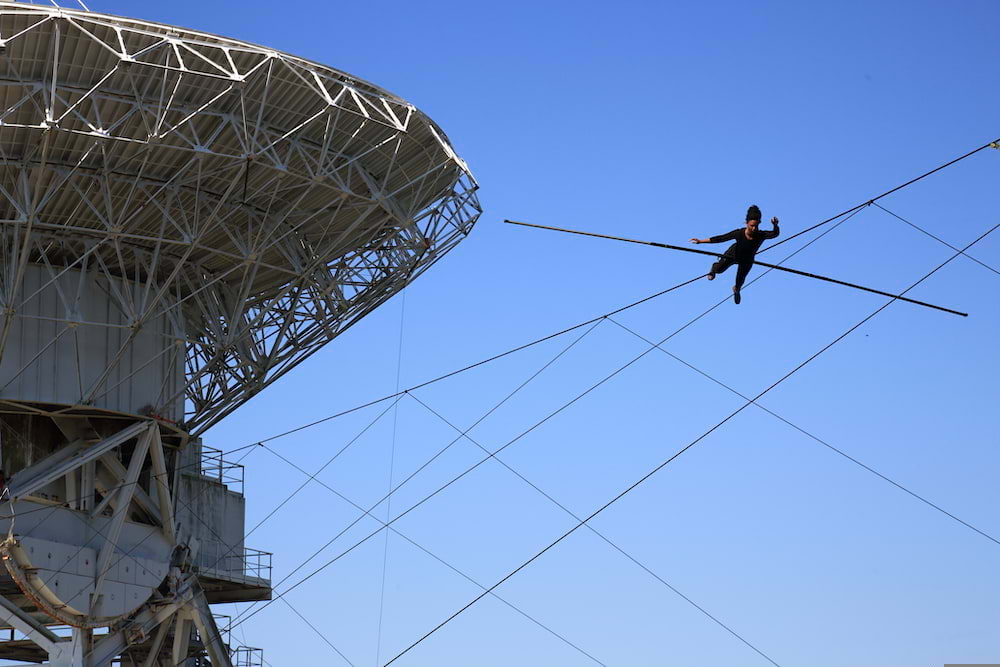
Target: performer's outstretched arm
(731, 236)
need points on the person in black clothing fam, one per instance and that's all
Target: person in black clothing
(747, 243)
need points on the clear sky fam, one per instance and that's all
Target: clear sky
(658, 121)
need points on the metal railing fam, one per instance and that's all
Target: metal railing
(246, 656)
(257, 563)
(236, 564)
(215, 467)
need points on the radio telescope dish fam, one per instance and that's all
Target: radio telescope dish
(183, 219)
(230, 207)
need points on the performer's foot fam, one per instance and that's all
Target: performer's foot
(711, 276)
(736, 294)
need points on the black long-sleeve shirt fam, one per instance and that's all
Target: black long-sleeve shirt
(744, 249)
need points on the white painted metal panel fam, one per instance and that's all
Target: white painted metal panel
(53, 356)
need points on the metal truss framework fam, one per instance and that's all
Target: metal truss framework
(250, 204)
(70, 532)
(143, 589)
(146, 633)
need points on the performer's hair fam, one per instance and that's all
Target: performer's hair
(753, 213)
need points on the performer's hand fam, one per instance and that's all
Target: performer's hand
(774, 220)
(695, 241)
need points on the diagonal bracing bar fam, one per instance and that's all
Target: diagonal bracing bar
(211, 638)
(53, 467)
(161, 482)
(142, 624)
(27, 625)
(122, 503)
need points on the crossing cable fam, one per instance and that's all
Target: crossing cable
(318, 471)
(426, 463)
(881, 196)
(367, 512)
(595, 531)
(250, 611)
(477, 364)
(314, 629)
(684, 449)
(810, 435)
(939, 240)
(434, 556)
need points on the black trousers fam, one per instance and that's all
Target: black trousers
(743, 267)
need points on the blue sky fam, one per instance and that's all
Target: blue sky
(658, 121)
